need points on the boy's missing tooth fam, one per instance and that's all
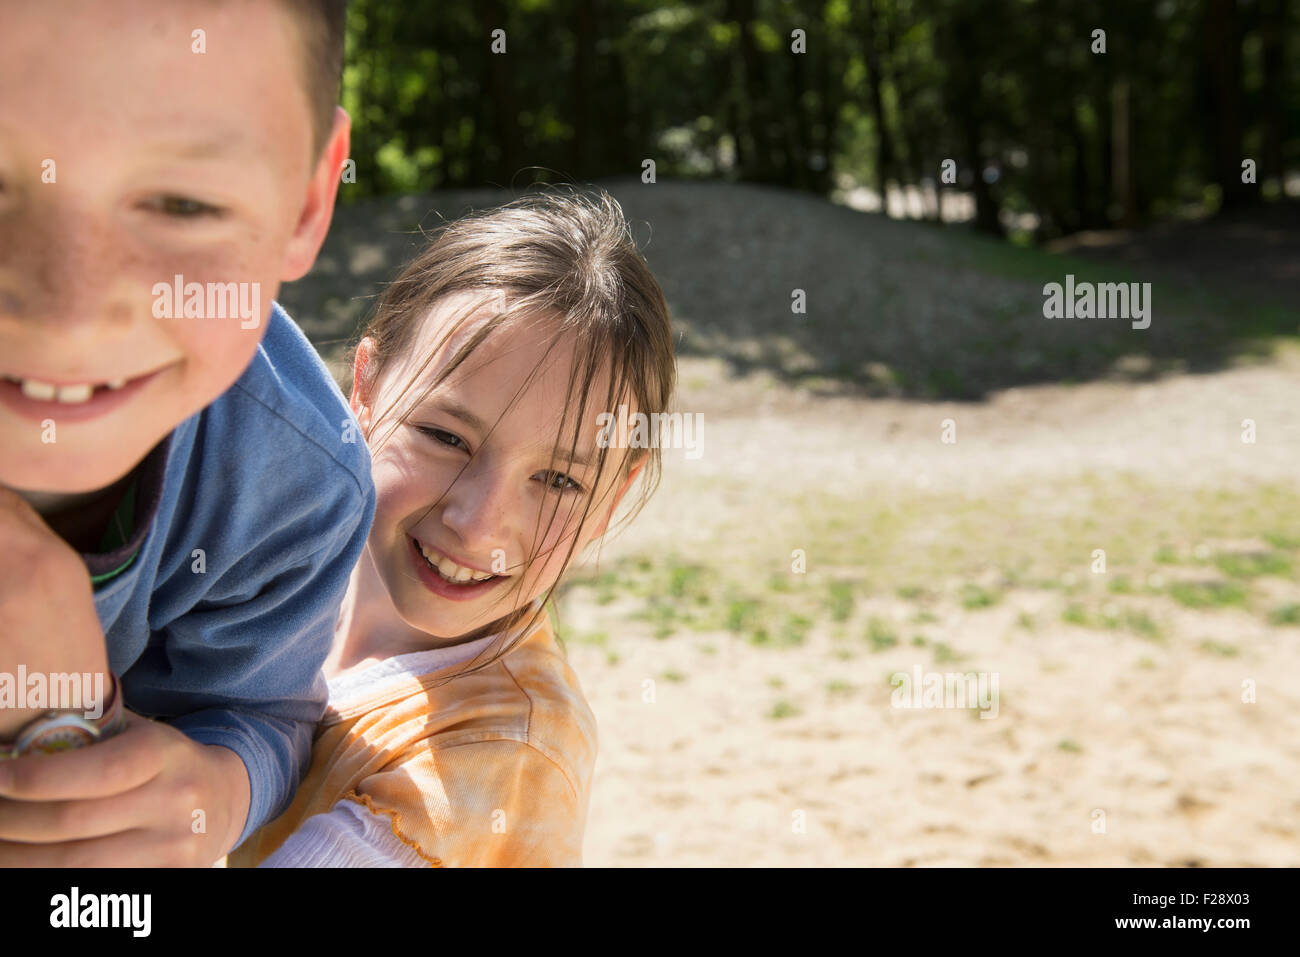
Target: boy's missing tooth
(200, 503)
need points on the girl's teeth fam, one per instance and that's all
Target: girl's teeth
(450, 570)
(116, 383)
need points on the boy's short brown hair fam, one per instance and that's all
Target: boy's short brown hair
(322, 24)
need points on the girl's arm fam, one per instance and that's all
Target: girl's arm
(494, 803)
(351, 835)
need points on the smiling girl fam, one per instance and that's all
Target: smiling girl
(457, 734)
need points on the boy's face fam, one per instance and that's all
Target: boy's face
(128, 158)
(447, 489)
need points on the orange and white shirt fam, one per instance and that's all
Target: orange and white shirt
(487, 769)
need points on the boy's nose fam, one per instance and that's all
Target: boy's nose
(64, 271)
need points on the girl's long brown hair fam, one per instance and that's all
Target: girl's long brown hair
(566, 256)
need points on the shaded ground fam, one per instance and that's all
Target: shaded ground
(1255, 252)
(905, 309)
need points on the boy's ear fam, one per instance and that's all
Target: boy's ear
(363, 379)
(322, 190)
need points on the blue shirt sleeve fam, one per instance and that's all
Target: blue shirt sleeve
(222, 622)
(261, 651)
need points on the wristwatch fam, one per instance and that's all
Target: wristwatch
(57, 731)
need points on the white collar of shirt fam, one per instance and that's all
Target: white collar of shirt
(345, 690)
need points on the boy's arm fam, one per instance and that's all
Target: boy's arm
(242, 669)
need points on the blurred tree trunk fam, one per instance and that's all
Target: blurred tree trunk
(755, 98)
(1223, 59)
(1273, 20)
(869, 23)
(1121, 164)
(798, 129)
(623, 151)
(500, 90)
(1082, 188)
(829, 96)
(965, 103)
(584, 91)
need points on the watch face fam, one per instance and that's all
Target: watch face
(62, 737)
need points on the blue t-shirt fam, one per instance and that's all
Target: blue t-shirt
(257, 511)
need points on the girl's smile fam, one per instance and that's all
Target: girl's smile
(434, 580)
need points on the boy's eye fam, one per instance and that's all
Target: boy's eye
(181, 207)
(446, 438)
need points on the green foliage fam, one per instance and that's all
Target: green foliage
(884, 94)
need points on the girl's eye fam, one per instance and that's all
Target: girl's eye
(446, 438)
(180, 207)
(571, 485)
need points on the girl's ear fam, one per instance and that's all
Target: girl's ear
(362, 399)
(618, 497)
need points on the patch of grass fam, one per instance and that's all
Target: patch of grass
(741, 613)
(682, 578)
(919, 641)
(1140, 623)
(840, 600)
(776, 681)
(1026, 621)
(779, 584)
(1146, 664)
(1076, 614)
(925, 618)
(607, 587)
(839, 686)
(1166, 555)
(1288, 614)
(912, 593)
(1121, 585)
(794, 630)
(943, 653)
(1254, 565)
(1280, 540)
(673, 675)
(974, 596)
(783, 709)
(880, 634)
(611, 657)
(1207, 594)
(1218, 648)
(1066, 744)
(598, 638)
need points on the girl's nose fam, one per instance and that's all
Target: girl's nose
(478, 508)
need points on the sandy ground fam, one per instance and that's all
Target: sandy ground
(1108, 748)
(1159, 748)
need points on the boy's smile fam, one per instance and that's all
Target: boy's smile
(41, 399)
(130, 159)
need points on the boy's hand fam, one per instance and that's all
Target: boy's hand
(48, 621)
(149, 796)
